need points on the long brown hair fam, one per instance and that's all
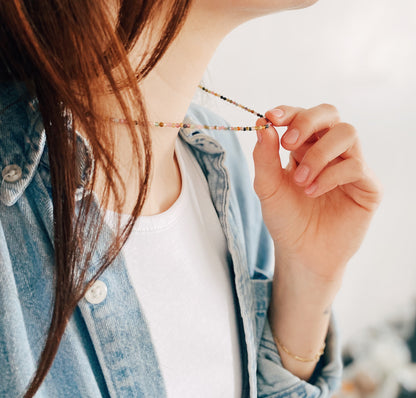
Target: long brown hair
(65, 50)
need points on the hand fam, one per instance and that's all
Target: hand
(318, 208)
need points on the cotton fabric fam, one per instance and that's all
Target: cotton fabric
(107, 349)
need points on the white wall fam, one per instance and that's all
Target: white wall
(360, 56)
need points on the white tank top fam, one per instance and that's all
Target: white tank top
(177, 264)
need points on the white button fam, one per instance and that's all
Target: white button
(12, 173)
(96, 293)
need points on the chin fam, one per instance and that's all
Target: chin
(267, 6)
(240, 11)
(296, 4)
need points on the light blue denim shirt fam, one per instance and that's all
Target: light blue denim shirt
(107, 349)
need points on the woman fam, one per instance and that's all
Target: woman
(217, 291)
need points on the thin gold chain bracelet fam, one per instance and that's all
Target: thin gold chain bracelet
(297, 357)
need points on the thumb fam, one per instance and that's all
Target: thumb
(267, 164)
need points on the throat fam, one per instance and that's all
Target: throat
(165, 185)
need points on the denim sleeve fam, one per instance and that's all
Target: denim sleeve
(273, 380)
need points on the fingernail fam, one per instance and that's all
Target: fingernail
(311, 189)
(277, 112)
(291, 136)
(259, 136)
(301, 173)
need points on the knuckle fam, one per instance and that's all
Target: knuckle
(329, 108)
(264, 190)
(316, 156)
(256, 186)
(360, 167)
(328, 177)
(304, 119)
(265, 161)
(349, 129)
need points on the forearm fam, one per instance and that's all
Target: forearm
(299, 316)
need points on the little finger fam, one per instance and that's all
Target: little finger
(344, 172)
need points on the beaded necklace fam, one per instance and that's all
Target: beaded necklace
(204, 126)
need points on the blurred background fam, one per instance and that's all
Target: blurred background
(361, 57)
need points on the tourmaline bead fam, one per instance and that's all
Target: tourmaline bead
(188, 125)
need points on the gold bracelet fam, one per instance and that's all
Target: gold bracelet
(297, 357)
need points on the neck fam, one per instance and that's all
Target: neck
(170, 86)
(168, 91)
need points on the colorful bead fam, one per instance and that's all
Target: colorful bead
(206, 127)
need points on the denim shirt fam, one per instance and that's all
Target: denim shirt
(107, 350)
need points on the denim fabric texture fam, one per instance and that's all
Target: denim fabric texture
(107, 349)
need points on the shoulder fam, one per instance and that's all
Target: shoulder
(216, 142)
(227, 140)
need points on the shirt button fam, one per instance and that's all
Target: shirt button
(96, 293)
(12, 173)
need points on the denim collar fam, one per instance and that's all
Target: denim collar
(23, 142)
(22, 139)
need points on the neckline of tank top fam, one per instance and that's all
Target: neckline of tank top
(164, 220)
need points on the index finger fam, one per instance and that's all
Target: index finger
(282, 115)
(307, 122)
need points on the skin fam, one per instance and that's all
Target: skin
(316, 231)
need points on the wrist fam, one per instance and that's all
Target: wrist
(299, 316)
(298, 303)
(308, 291)
(296, 281)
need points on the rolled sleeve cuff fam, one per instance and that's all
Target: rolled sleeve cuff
(274, 381)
